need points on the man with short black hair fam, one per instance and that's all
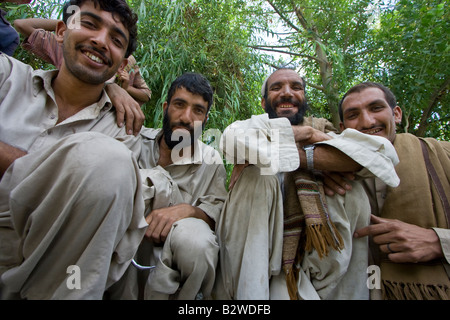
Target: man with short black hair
(70, 188)
(410, 223)
(184, 193)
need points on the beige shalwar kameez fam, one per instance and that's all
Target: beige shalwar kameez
(74, 200)
(186, 263)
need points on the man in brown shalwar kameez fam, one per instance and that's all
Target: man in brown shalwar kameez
(410, 223)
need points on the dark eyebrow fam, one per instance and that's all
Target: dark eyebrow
(291, 83)
(373, 103)
(99, 19)
(185, 102)
(377, 102)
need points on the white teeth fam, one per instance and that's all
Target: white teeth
(285, 106)
(93, 58)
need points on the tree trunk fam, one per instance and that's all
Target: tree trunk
(435, 97)
(326, 74)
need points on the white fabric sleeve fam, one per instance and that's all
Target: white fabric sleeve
(377, 155)
(266, 143)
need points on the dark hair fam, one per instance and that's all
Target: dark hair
(388, 95)
(119, 8)
(195, 83)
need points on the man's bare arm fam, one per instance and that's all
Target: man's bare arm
(27, 26)
(325, 157)
(8, 154)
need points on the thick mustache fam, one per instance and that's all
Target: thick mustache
(183, 125)
(288, 100)
(90, 48)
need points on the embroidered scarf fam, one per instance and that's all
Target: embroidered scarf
(307, 225)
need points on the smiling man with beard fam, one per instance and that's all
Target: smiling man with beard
(184, 193)
(70, 191)
(280, 236)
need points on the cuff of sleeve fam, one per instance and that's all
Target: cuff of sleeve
(444, 238)
(374, 153)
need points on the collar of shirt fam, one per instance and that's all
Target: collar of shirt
(156, 135)
(43, 80)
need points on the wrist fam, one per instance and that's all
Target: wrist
(309, 150)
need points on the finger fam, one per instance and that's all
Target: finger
(376, 220)
(165, 232)
(152, 232)
(129, 121)
(389, 247)
(156, 233)
(371, 230)
(334, 184)
(328, 191)
(120, 110)
(139, 121)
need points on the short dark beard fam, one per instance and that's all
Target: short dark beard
(295, 119)
(167, 130)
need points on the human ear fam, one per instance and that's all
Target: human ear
(60, 30)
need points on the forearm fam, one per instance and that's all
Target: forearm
(27, 26)
(327, 158)
(138, 94)
(16, 1)
(8, 154)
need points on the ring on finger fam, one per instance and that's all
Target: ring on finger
(389, 248)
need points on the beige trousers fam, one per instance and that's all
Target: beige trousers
(76, 204)
(185, 265)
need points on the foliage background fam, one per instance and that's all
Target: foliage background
(334, 44)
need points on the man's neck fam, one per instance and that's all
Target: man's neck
(165, 153)
(73, 95)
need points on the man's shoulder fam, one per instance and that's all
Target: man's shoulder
(11, 66)
(150, 133)
(321, 124)
(210, 155)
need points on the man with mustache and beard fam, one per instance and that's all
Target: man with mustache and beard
(280, 236)
(184, 193)
(71, 205)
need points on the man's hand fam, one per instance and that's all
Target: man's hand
(305, 135)
(160, 221)
(127, 109)
(403, 242)
(124, 78)
(337, 182)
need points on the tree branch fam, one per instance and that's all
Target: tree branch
(267, 48)
(435, 97)
(283, 17)
(315, 86)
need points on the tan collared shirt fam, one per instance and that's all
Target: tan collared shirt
(29, 113)
(200, 179)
